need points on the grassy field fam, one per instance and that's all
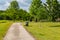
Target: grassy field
(4, 26)
(45, 30)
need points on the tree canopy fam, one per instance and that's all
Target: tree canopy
(38, 10)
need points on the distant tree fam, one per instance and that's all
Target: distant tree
(13, 10)
(24, 15)
(1, 11)
(16, 13)
(2, 14)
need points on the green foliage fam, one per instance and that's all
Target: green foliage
(42, 13)
(37, 11)
(35, 5)
(24, 15)
(12, 11)
(14, 5)
(53, 9)
(15, 13)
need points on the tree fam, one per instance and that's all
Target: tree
(35, 5)
(55, 9)
(2, 15)
(13, 10)
(24, 15)
(42, 13)
(48, 7)
(52, 8)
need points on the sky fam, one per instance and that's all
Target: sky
(24, 4)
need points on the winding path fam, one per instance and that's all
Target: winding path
(17, 32)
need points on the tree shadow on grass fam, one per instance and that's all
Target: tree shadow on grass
(3, 22)
(55, 26)
(41, 34)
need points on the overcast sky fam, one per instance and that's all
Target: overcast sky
(24, 4)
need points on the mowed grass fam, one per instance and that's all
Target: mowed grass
(4, 26)
(44, 30)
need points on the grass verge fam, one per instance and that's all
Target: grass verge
(44, 30)
(4, 26)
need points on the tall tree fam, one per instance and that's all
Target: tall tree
(35, 5)
(14, 5)
(13, 9)
(55, 8)
(48, 7)
(52, 8)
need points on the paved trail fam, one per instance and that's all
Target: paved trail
(17, 32)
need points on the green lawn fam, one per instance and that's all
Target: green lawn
(45, 30)
(4, 26)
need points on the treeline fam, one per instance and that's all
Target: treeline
(38, 11)
(13, 12)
